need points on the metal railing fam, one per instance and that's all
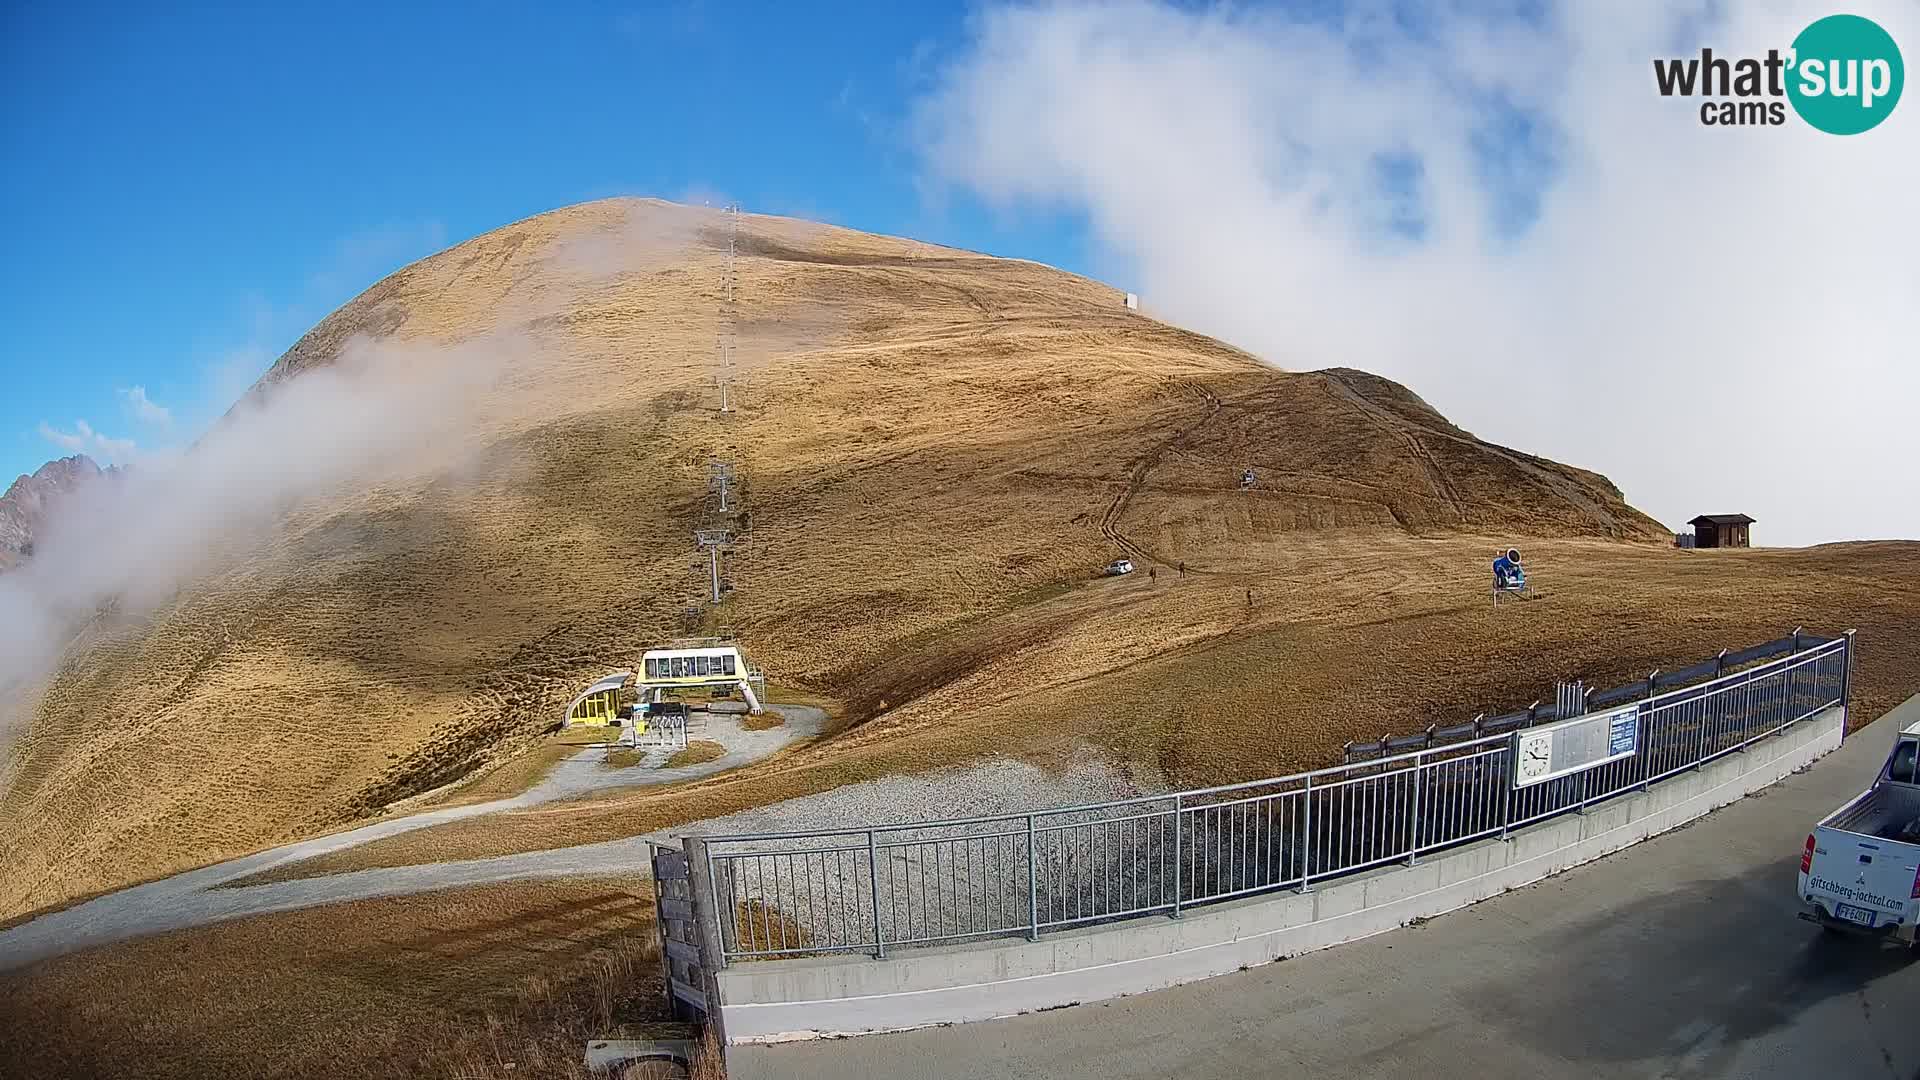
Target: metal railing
(873, 888)
(1541, 712)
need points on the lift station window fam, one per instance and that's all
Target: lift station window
(697, 666)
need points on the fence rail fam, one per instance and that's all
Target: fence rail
(1541, 712)
(874, 888)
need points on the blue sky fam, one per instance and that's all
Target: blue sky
(186, 193)
(1489, 203)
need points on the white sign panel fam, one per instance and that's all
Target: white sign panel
(1551, 751)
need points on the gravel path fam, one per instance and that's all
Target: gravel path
(933, 883)
(585, 772)
(983, 790)
(192, 899)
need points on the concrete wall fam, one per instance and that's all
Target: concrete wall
(782, 1000)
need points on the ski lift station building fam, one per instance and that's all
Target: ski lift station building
(598, 705)
(695, 667)
(678, 668)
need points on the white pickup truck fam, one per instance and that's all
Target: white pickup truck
(1860, 872)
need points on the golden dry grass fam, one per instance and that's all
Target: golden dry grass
(765, 721)
(708, 1063)
(694, 753)
(1284, 687)
(511, 777)
(758, 924)
(937, 451)
(492, 981)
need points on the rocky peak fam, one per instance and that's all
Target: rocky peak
(28, 501)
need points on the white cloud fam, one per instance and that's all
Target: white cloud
(144, 408)
(83, 439)
(383, 410)
(1500, 212)
(357, 260)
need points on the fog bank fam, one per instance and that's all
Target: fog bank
(1499, 210)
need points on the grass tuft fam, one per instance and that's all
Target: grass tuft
(696, 752)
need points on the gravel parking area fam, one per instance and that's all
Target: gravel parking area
(1000, 786)
(195, 898)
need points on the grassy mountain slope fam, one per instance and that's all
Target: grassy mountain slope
(937, 449)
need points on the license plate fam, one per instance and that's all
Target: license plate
(1861, 916)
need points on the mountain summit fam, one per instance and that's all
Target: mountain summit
(485, 472)
(30, 499)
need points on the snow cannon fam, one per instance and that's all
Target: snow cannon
(1509, 577)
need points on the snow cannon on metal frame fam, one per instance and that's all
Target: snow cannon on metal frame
(1509, 577)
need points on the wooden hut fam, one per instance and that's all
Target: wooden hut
(1721, 530)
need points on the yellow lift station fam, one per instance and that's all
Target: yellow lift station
(697, 666)
(687, 665)
(599, 705)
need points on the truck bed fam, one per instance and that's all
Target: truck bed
(1887, 812)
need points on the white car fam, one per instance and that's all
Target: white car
(1860, 871)
(1119, 566)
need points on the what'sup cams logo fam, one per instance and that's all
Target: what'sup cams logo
(1842, 75)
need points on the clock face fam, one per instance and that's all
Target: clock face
(1536, 756)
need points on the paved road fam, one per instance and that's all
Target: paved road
(1679, 957)
(193, 898)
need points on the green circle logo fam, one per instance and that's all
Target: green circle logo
(1845, 74)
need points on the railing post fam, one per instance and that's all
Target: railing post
(1786, 684)
(873, 887)
(1643, 724)
(665, 928)
(1033, 886)
(1306, 858)
(1506, 781)
(710, 926)
(1413, 830)
(1177, 875)
(1846, 674)
(1586, 784)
